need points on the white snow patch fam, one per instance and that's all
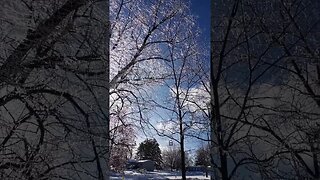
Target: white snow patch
(158, 175)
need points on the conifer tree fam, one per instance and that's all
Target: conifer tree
(149, 149)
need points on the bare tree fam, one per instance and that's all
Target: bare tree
(122, 142)
(172, 159)
(297, 106)
(141, 32)
(182, 57)
(256, 124)
(54, 90)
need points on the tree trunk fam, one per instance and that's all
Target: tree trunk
(216, 65)
(217, 131)
(108, 144)
(182, 153)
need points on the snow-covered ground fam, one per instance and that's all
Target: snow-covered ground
(157, 175)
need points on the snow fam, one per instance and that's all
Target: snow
(157, 175)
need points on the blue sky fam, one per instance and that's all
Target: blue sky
(201, 9)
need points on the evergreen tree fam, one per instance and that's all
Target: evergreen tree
(149, 149)
(203, 156)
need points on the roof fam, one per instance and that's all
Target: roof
(146, 160)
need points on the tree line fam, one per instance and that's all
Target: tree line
(167, 158)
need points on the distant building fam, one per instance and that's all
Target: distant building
(196, 168)
(148, 165)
